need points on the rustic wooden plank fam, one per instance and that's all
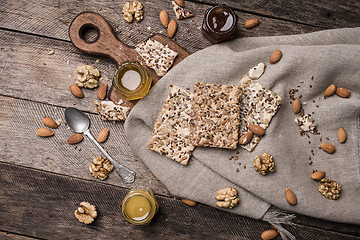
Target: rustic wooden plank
(56, 18)
(19, 144)
(50, 199)
(12, 236)
(320, 13)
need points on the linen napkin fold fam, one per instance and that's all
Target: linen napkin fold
(310, 63)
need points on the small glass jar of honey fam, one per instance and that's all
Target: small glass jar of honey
(132, 81)
(139, 206)
(220, 23)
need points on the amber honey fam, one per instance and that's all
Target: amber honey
(132, 81)
(139, 207)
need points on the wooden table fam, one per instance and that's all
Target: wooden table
(42, 181)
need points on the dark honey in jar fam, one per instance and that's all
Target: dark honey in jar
(220, 23)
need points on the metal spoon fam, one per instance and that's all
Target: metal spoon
(80, 123)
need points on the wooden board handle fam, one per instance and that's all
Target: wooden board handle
(106, 44)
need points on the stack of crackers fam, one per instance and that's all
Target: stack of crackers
(215, 115)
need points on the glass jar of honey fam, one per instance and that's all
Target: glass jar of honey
(220, 23)
(139, 206)
(132, 81)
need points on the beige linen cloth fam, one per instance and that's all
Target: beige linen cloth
(331, 57)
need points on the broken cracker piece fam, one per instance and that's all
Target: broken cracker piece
(215, 115)
(305, 123)
(258, 106)
(156, 56)
(109, 111)
(171, 134)
(180, 12)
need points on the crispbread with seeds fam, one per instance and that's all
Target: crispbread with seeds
(156, 56)
(171, 134)
(215, 115)
(180, 12)
(258, 106)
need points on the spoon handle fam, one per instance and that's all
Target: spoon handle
(125, 174)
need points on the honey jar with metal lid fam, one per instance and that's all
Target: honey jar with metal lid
(132, 81)
(220, 23)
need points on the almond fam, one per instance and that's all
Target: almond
(257, 130)
(318, 175)
(330, 91)
(189, 202)
(290, 197)
(44, 132)
(172, 27)
(343, 92)
(269, 234)
(251, 23)
(49, 122)
(342, 135)
(164, 18)
(103, 135)
(181, 3)
(74, 139)
(327, 147)
(76, 91)
(246, 138)
(275, 56)
(101, 94)
(297, 106)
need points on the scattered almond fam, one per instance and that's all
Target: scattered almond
(330, 91)
(275, 56)
(181, 3)
(74, 139)
(251, 23)
(49, 122)
(44, 132)
(103, 135)
(318, 175)
(246, 138)
(269, 234)
(76, 91)
(343, 92)
(101, 94)
(342, 135)
(327, 147)
(290, 197)
(164, 18)
(297, 106)
(189, 202)
(172, 27)
(257, 130)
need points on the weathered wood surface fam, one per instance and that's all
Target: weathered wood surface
(30, 195)
(320, 13)
(35, 84)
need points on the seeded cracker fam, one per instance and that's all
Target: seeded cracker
(258, 106)
(156, 56)
(171, 134)
(215, 115)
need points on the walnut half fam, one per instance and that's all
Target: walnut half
(227, 198)
(330, 189)
(86, 213)
(133, 8)
(87, 76)
(267, 164)
(100, 168)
